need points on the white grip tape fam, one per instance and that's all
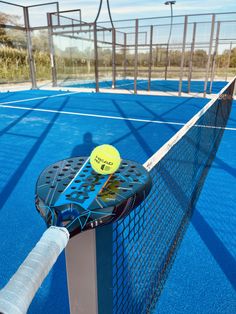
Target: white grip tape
(17, 295)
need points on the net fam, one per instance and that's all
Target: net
(145, 243)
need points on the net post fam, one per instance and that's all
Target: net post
(82, 273)
(150, 58)
(191, 56)
(113, 58)
(136, 57)
(29, 48)
(209, 54)
(52, 51)
(104, 249)
(183, 53)
(214, 56)
(89, 271)
(96, 56)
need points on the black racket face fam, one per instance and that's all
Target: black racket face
(126, 189)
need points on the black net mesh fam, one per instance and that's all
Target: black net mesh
(145, 243)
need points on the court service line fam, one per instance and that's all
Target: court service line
(108, 117)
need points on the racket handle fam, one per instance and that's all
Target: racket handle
(17, 295)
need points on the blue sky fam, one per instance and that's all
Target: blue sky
(125, 9)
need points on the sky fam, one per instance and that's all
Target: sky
(126, 9)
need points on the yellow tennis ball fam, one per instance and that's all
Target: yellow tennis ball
(105, 159)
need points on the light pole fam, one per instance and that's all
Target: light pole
(171, 3)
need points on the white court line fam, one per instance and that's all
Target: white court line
(108, 117)
(91, 115)
(214, 127)
(37, 98)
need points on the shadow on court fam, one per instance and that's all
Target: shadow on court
(86, 147)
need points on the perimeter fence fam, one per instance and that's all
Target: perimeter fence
(41, 43)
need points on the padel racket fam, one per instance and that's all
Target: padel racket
(72, 198)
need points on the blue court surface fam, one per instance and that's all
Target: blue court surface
(156, 85)
(203, 278)
(39, 128)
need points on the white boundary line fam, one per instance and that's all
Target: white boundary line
(127, 91)
(114, 117)
(152, 161)
(38, 98)
(91, 115)
(161, 152)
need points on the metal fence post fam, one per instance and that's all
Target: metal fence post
(30, 49)
(209, 54)
(96, 56)
(183, 54)
(191, 57)
(125, 54)
(136, 57)
(52, 50)
(214, 56)
(58, 14)
(113, 58)
(167, 61)
(150, 58)
(228, 62)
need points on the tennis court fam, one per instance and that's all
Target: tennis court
(152, 232)
(155, 85)
(40, 127)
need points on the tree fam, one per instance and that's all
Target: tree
(200, 58)
(40, 41)
(105, 56)
(223, 59)
(5, 36)
(233, 58)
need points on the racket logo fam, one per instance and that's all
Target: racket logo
(104, 161)
(77, 197)
(105, 167)
(81, 194)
